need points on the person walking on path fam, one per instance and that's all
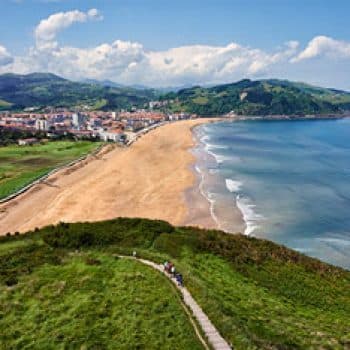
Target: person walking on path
(179, 279)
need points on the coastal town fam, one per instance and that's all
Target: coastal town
(122, 126)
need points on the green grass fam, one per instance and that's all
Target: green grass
(258, 294)
(9, 246)
(94, 301)
(99, 104)
(200, 100)
(5, 104)
(252, 316)
(20, 165)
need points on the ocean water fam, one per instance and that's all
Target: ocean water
(290, 180)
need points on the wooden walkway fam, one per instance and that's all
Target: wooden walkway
(213, 336)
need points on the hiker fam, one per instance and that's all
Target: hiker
(134, 254)
(173, 270)
(166, 265)
(179, 279)
(170, 266)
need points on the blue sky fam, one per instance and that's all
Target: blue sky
(162, 43)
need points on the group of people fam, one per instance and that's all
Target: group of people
(169, 267)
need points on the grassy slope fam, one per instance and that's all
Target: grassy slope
(20, 165)
(252, 316)
(42, 89)
(262, 97)
(258, 294)
(93, 300)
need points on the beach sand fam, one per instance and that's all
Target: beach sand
(148, 179)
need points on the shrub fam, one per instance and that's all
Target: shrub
(123, 231)
(24, 259)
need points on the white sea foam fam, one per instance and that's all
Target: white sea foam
(219, 158)
(208, 196)
(204, 138)
(337, 241)
(302, 250)
(250, 217)
(214, 146)
(233, 185)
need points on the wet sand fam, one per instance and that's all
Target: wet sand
(148, 179)
(202, 211)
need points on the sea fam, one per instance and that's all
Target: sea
(290, 179)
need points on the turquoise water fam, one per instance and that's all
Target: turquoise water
(290, 179)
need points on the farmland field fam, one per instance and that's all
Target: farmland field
(20, 165)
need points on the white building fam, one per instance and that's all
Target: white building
(41, 124)
(112, 135)
(78, 120)
(26, 142)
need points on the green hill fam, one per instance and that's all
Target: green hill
(62, 285)
(262, 97)
(45, 89)
(247, 97)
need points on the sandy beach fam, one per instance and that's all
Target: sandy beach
(148, 179)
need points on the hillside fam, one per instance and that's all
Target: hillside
(64, 285)
(261, 97)
(44, 89)
(264, 97)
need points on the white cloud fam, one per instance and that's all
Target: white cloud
(129, 62)
(205, 64)
(324, 46)
(46, 31)
(5, 57)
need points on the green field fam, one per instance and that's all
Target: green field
(20, 165)
(4, 104)
(94, 301)
(55, 283)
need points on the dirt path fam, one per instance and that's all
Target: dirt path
(211, 333)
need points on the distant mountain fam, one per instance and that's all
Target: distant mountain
(136, 86)
(45, 89)
(261, 97)
(107, 83)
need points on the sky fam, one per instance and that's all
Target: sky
(163, 43)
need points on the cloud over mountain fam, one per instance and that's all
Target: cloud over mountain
(5, 57)
(323, 45)
(130, 62)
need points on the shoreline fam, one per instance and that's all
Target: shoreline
(201, 208)
(147, 180)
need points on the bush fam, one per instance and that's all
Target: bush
(173, 244)
(23, 260)
(122, 231)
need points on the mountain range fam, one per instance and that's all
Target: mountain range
(45, 89)
(247, 97)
